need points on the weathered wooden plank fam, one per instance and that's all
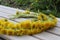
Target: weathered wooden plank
(47, 36)
(21, 37)
(58, 24)
(4, 14)
(55, 31)
(8, 10)
(26, 37)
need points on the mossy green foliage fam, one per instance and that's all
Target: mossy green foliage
(46, 6)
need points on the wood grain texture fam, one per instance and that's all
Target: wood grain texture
(47, 36)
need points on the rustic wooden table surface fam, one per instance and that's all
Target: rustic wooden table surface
(53, 34)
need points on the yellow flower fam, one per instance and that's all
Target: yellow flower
(27, 12)
(26, 24)
(46, 25)
(35, 31)
(3, 31)
(20, 32)
(10, 32)
(43, 16)
(28, 32)
(53, 24)
(17, 32)
(1, 27)
(18, 25)
(11, 25)
(4, 20)
(54, 20)
(39, 18)
(14, 26)
(1, 21)
(5, 24)
(37, 24)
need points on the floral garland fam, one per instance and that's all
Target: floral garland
(41, 23)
